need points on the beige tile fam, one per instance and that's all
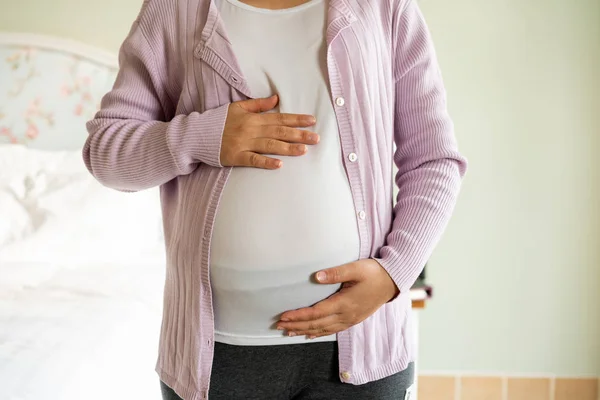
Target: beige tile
(528, 389)
(481, 388)
(436, 388)
(576, 389)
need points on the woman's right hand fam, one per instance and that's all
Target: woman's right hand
(250, 132)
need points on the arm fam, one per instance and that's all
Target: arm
(131, 144)
(429, 165)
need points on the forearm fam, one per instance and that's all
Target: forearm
(130, 155)
(426, 200)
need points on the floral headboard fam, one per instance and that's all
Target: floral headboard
(49, 88)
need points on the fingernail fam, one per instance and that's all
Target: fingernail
(280, 328)
(312, 337)
(321, 276)
(291, 333)
(285, 319)
(301, 148)
(312, 119)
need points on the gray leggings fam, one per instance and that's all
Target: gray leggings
(291, 372)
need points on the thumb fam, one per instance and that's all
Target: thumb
(259, 105)
(341, 274)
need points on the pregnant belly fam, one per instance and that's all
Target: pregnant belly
(273, 230)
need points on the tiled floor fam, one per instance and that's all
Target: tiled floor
(529, 388)
(567, 389)
(506, 388)
(481, 388)
(437, 387)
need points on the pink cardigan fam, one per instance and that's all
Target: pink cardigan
(162, 125)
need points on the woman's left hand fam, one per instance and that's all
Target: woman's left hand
(366, 286)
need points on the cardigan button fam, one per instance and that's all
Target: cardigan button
(346, 375)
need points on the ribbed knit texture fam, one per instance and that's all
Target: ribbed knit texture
(163, 121)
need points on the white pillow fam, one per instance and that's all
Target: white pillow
(70, 218)
(16, 163)
(15, 221)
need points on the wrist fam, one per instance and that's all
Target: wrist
(393, 290)
(396, 293)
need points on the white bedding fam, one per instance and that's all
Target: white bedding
(82, 333)
(81, 281)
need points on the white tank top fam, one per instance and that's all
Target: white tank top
(275, 229)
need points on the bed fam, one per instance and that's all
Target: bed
(76, 321)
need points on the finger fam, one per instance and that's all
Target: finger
(332, 305)
(250, 159)
(314, 326)
(292, 120)
(287, 134)
(273, 146)
(329, 331)
(259, 105)
(343, 273)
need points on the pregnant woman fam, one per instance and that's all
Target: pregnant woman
(272, 128)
